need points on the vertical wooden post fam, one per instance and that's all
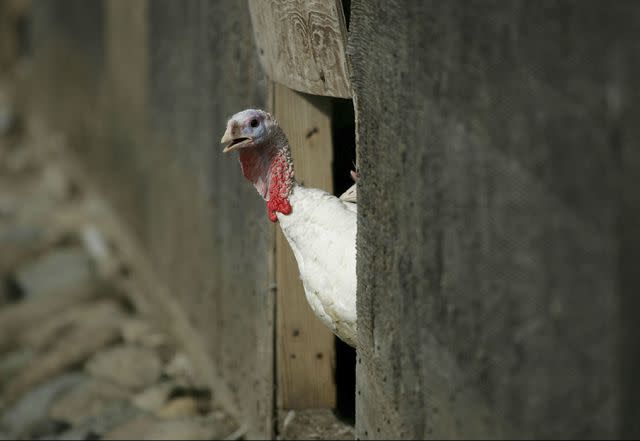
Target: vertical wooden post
(305, 347)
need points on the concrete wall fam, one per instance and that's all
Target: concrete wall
(144, 90)
(13, 41)
(498, 218)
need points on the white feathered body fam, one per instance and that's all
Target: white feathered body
(321, 231)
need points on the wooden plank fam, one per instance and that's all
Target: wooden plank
(306, 352)
(302, 44)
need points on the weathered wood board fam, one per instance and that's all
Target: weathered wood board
(301, 44)
(305, 347)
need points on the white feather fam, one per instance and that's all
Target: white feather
(351, 195)
(321, 231)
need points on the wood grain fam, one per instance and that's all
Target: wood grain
(306, 354)
(301, 44)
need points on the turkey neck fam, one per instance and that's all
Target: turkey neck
(270, 169)
(280, 184)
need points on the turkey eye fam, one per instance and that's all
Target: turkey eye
(254, 122)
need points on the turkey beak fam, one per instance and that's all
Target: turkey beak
(235, 144)
(233, 141)
(227, 138)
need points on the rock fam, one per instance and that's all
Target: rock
(154, 397)
(180, 370)
(315, 424)
(133, 367)
(55, 272)
(8, 206)
(40, 206)
(135, 428)
(20, 160)
(76, 346)
(54, 184)
(20, 242)
(33, 408)
(98, 248)
(202, 428)
(105, 311)
(141, 333)
(14, 362)
(182, 407)
(148, 428)
(86, 400)
(48, 429)
(8, 117)
(14, 317)
(114, 415)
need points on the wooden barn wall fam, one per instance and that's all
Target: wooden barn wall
(144, 89)
(498, 218)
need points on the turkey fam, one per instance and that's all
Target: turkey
(320, 228)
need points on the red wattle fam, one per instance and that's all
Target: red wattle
(281, 205)
(279, 187)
